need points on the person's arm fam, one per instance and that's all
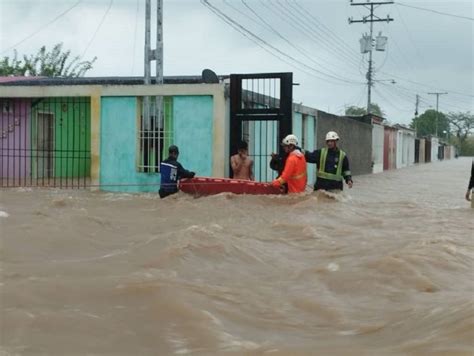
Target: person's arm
(312, 157)
(251, 171)
(346, 172)
(287, 172)
(183, 173)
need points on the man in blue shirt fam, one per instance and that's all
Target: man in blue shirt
(172, 171)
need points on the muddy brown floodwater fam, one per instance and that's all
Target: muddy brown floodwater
(385, 268)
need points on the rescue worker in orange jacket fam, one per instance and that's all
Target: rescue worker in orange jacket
(294, 173)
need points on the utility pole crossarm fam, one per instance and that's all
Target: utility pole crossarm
(371, 3)
(388, 19)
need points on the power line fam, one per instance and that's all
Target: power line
(267, 26)
(319, 38)
(272, 29)
(427, 86)
(41, 28)
(98, 27)
(338, 40)
(436, 12)
(261, 42)
(295, 22)
(410, 37)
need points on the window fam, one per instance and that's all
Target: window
(155, 134)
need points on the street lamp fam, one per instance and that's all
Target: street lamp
(446, 134)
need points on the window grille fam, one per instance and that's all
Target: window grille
(155, 134)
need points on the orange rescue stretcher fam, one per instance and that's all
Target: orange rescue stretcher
(209, 186)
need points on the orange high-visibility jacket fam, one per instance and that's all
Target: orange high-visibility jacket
(294, 173)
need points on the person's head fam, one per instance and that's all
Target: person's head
(173, 151)
(289, 143)
(242, 148)
(331, 139)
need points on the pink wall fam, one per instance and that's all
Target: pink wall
(389, 148)
(15, 138)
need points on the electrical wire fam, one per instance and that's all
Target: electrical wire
(273, 30)
(288, 15)
(434, 11)
(306, 13)
(98, 28)
(41, 28)
(264, 44)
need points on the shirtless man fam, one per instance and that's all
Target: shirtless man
(241, 163)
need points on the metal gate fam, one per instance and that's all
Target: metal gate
(45, 142)
(261, 109)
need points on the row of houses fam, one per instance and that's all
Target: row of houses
(105, 133)
(396, 146)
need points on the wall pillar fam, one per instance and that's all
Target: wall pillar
(220, 160)
(95, 141)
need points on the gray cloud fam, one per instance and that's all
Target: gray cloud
(423, 47)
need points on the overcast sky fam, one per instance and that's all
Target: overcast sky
(426, 51)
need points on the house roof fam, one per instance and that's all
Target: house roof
(43, 81)
(12, 79)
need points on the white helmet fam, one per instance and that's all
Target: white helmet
(290, 140)
(332, 135)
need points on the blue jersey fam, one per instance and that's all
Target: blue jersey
(169, 177)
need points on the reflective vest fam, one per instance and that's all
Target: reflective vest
(322, 166)
(294, 173)
(169, 177)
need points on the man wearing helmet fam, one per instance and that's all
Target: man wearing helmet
(332, 163)
(294, 173)
(171, 171)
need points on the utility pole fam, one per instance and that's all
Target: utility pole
(437, 106)
(371, 19)
(416, 114)
(154, 126)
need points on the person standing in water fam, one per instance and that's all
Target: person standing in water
(242, 165)
(332, 163)
(294, 172)
(171, 172)
(470, 187)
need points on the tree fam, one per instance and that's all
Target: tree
(358, 111)
(425, 124)
(463, 125)
(54, 63)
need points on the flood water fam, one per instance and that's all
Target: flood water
(384, 268)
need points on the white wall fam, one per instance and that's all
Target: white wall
(434, 149)
(377, 148)
(405, 148)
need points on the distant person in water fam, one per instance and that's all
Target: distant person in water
(171, 172)
(242, 165)
(470, 187)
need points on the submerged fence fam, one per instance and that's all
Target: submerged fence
(45, 142)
